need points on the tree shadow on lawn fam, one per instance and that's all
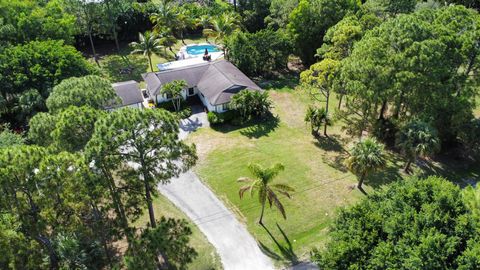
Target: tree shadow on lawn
(285, 248)
(459, 171)
(332, 143)
(256, 128)
(124, 68)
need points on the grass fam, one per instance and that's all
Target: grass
(313, 167)
(207, 257)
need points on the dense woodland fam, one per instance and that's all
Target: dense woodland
(404, 74)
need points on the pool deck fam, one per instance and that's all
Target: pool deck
(187, 62)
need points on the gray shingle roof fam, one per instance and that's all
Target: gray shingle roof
(217, 80)
(128, 92)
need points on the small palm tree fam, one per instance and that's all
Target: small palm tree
(204, 21)
(148, 45)
(266, 190)
(366, 157)
(317, 117)
(417, 139)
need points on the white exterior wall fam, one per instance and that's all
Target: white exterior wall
(163, 98)
(205, 102)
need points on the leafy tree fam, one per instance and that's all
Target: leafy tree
(339, 39)
(366, 157)
(417, 139)
(408, 225)
(262, 183)
(317, 117)
(112, 11)
(259, 53)
(183, 22)
(251, 103)
(174, 90)
(144, 151)
(171, 237)
(38, 65)
(92, 91)
(253, 13)
(319, 81)
(309, 22)
(148, 45)
(387, 8)
(74, 127)
(420, 65)
(279, 13)
(9, 138)
(34, 20)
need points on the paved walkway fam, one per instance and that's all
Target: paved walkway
(234, 244)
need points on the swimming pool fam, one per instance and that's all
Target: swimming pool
(200, 49)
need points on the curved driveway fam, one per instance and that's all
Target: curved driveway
(234, 244)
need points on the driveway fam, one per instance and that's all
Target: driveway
(234, 244)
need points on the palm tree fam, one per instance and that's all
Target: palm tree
(222, 26)
(204, 21)
(164, 16)
(167, 40)
(417, 139)
(148, 45)
(183, 22)
(366, 157)
(266, 190)
(317, 117)
(174, 90)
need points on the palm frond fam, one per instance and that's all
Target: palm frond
(244, 189)
(272, 197)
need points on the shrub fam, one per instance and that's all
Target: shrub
(251, 103)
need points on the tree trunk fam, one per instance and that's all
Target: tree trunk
(325, 128)
(150, 62)
(115, 37)
(52, 255)
(235, 5)
(407, 166)
(340, 102)
(148, 196)
(360, 181)
(93, 47)
(261, 214)
(382, 110)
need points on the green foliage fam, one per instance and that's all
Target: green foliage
(259, 53)
(170, 238)
(262, 184)
(366, 157)
(38, 65)
(253, 13)
(142, 148)
(309, 22)
(469, 135)
(34, 20)
(251, 103)
(316, 117)
(413, 224)
(387, 8)
(174, 90)
(418, 64)
(41, 127)
(215, 118)
(222, 26)
(417, 139)
(279, 12)
(93, 91)
(9, 138)
(74, 127)
(339, 39)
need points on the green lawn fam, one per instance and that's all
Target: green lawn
(313, 168)
(207, 256)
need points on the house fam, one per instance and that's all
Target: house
(214, 82)
(129, 93)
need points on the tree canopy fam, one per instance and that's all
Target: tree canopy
(412, 224)
(92, 91)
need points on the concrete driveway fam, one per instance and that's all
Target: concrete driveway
(234, 244)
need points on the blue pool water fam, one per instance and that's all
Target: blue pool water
(200, 49)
